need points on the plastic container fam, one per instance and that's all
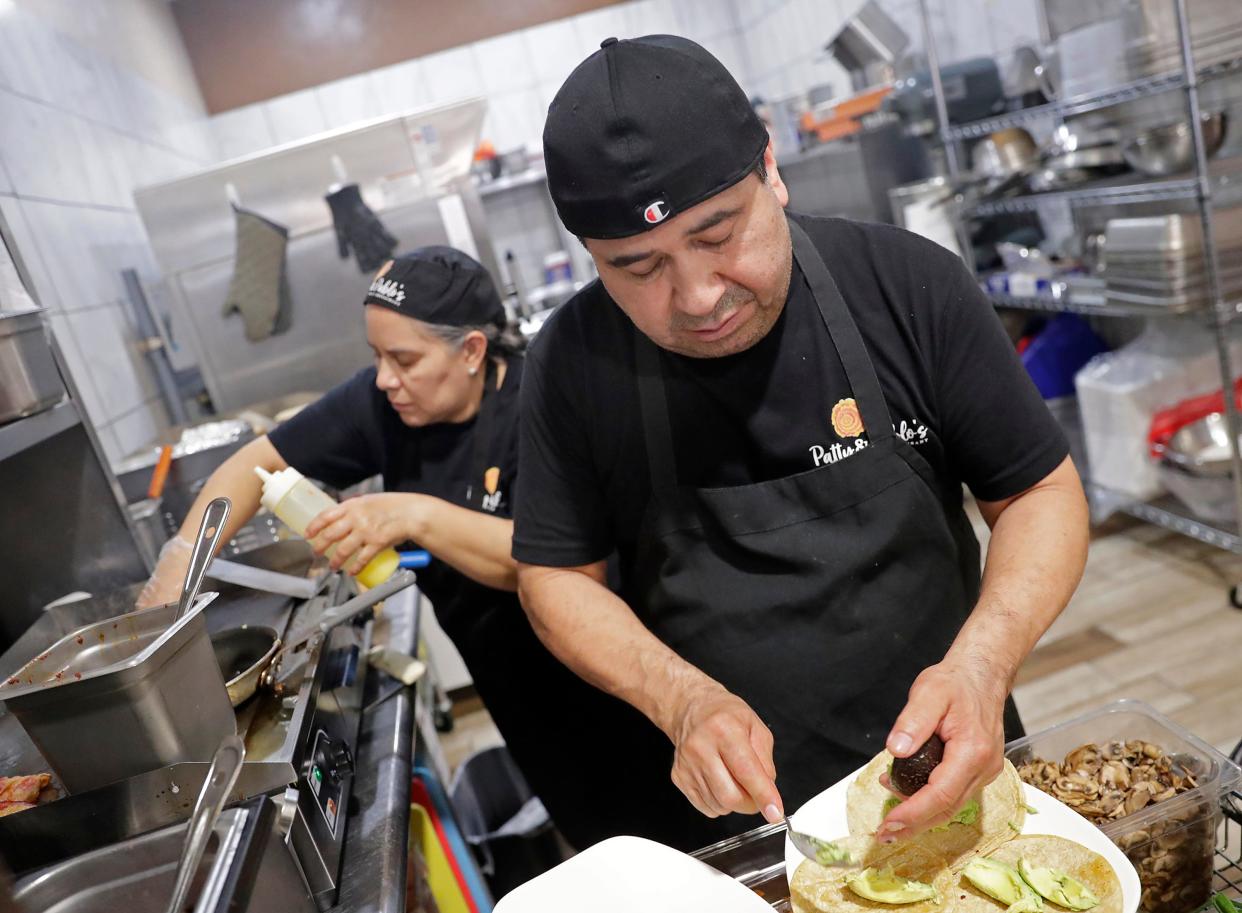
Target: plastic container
(1209, 497)
(296, 500)
(441, 880)
(1171, 843)
(508, 828)
(1064, 345)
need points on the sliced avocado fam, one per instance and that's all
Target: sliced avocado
(1058, 887)
(1003, 882)
(969, 814)
(883, 886)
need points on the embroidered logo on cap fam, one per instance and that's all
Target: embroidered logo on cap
(656, 212)
(388, 290)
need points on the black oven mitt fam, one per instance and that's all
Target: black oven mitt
(358, 227)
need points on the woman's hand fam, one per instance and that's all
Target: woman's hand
(360, 528)
(169, 574)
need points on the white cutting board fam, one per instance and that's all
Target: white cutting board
(629, 874)
(824, 816)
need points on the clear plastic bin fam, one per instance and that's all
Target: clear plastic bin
(1171, 843)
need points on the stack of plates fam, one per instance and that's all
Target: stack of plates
(1158, 260)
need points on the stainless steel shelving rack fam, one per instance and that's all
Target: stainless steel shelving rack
(1200, 188)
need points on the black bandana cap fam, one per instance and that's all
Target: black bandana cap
(438, 285)
(642, 130)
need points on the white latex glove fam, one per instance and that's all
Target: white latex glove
(165, 583)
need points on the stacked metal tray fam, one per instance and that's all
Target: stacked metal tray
(1215, 33)
(1158, 261)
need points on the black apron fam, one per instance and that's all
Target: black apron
(600, 768)
(816, 598)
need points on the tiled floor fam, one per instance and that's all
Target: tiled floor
(1151, 621)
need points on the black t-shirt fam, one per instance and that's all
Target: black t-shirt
(955, 391)
(351, 434)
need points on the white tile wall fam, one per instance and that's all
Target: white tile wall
(519, 73)
(242, 131)
(400, 87)
(293, 116)
(344, 102)
(82, 126)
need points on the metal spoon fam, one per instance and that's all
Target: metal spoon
(209, 533)
(221, 777)
(825, 852)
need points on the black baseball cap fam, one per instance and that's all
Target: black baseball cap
(438, 285)
(642, 130)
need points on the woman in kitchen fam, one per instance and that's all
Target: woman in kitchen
(436, 417)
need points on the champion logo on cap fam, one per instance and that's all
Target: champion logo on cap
(656, 212)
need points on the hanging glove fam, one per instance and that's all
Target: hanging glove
(259, 283)
(358, 227)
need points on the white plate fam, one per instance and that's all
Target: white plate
(630, 874)
(824, 816)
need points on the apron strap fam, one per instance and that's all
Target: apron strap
(484, 434)
(657, 428)
(843, 331)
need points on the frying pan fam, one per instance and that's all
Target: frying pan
(248, 656)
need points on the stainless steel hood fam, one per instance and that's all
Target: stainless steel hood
(413, 171)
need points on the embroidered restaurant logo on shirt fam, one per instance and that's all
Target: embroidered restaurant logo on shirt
(846, 419)
(847, 423)
(491, 485)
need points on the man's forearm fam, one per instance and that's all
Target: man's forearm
(1034, 562)
(598, 636)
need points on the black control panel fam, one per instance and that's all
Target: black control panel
(332, 764)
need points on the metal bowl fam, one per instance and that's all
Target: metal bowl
(1202, 447)
(1161, 151)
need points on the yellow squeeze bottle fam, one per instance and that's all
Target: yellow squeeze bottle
(296, 501)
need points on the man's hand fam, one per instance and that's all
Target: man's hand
(723, 760)
(359, 528)
(963, 702)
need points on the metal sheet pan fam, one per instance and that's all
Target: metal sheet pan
(1179, 234)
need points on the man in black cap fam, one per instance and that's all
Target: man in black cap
(769, 418)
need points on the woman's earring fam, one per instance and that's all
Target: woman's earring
(473, 371)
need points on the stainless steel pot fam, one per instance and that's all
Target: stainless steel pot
(1201, 448)
(29, 381)
(1161, 151)
(243, 655)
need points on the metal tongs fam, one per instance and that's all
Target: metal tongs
(222, 776)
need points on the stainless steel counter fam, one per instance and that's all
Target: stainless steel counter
(373, 865)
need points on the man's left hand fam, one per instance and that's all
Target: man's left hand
(964, 702)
